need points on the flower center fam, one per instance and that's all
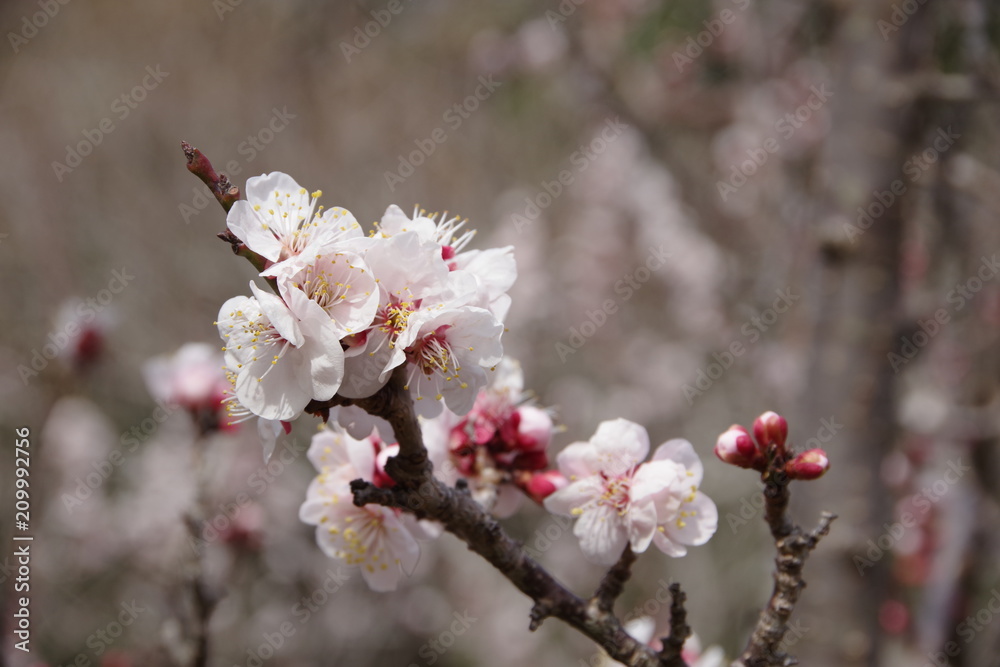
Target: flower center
(616, 492)
(433, 354)
(393, 318)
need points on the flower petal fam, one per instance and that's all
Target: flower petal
(620, 444)
(681, 451)
(697, 522)
(575, 496)
(602, 535)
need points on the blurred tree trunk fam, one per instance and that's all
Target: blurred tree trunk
(879, 121)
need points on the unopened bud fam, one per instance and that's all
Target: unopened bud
(531, 461)
(735, 446)
(770, 428)
(810, 464)
(544, 484)
(534, 429)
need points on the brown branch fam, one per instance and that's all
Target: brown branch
(614, 581)
(673, 644)
(418, 492)
(794, 546)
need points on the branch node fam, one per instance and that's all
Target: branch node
(541, 610)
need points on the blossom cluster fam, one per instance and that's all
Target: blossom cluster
(350, 308)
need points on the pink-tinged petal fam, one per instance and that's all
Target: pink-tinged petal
(574, 497)
(668, 546)
(495, 268)
(421, 529)
(361, 454)
(509, 500)
(653, 477)
(697, 522)
(402, 547)
(268, 431)
(312, 510)
(578, 460)
(641, 523)
(327, 451)
(620, 444)
(602, 535)
(681, 451)
(381, 579)
(359, 424)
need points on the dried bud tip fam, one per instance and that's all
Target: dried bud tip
(810, 464)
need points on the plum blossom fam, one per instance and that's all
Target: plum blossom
(380, 540)
(337, 284)
(192, 377)
(279, 219)
(281, 362)
(449, 358)
(494, 269)
(620, 501)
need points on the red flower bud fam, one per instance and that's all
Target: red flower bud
(810, 464)
(531, 461)
(735, 446)
(544, 484)
(534, 428)
(770, 428)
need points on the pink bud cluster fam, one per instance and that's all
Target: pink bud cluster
(767, 444)
(509, 439)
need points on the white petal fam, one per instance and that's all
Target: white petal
(653, 477)
(681, 451)
(641, 523)
(327, 450)
(620, 444)
(694, 529)
(668, 546)
(244, 222)
(402, 545)
(602, 535)
(325, 369)
(578, 460)
(282, 319)
(575, 496)
(262, 188)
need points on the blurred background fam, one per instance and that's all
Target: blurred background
(717, 208)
